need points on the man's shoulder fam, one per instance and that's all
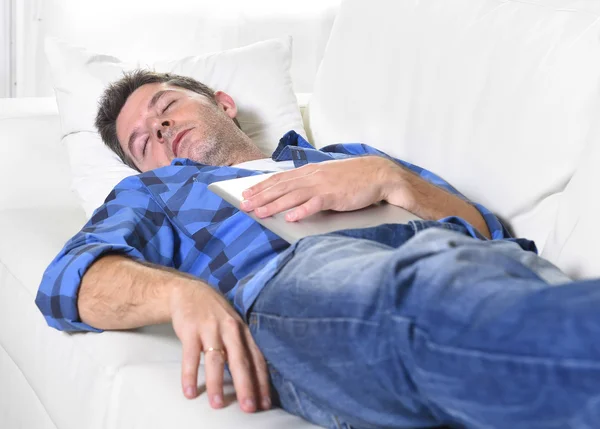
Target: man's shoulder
(153, 181)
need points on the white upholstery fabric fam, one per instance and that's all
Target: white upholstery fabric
(573, 241)
(499, 97)
(29, 140)
(20, 408)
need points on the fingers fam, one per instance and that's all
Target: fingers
(189, 366)
(310, 207)
(287, 201)
(277, 178)
(214, 367)
(211, 322)
(270, 193)
(261, 371)
(240, 365)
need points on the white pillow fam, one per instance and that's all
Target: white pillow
(256, 76)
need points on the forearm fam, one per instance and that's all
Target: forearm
(119, 293)
(404, 188)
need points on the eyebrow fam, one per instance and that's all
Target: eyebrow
(156, 97)
(134, 135)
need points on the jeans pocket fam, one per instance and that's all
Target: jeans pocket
(295, 401)
(301, 404)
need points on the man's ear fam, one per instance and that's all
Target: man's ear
(225, 102)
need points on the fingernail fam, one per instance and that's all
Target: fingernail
(246, 193)
(189, 392)
(291, 216)
(217, 400)
(247, 205)
(266, 402)
(249, 404)
(260, 211)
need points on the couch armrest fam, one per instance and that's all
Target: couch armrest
(13, 108)
(33, 164)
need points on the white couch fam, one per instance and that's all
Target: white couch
(499, 97)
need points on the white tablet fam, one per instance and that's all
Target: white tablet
(319, 223)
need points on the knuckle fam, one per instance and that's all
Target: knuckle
(189, 369)
(261, 365)
(211, 321)
(318, 201)
(319, 174)
(232, 323)
(244, 364)
(302, 210)
(258, 200)
(264, 386)
(271, 208)
(213, 358)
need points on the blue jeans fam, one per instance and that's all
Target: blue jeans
(442, 331)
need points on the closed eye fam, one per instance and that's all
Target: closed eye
(144, 147)
(168, 105)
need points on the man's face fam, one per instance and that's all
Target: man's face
(160, 122)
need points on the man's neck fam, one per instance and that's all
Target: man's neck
(248, 151)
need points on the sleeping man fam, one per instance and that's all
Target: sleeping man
(441, 322)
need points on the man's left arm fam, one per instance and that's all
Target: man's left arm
(355, 183)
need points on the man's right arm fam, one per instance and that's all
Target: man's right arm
(119, 293)
(118, 273)
(130, 224)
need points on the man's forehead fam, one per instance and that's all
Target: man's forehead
(135, 106)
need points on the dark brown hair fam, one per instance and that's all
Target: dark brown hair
(114, 97)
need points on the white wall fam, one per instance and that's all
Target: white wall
(7, 62)
(159, 29)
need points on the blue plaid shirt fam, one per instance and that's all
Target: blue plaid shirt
(168, 216)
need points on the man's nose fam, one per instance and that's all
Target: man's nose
(161, 129)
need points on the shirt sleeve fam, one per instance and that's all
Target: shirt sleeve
(131, 223)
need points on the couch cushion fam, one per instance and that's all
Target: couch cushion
(499, 97)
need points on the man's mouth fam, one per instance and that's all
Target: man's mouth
(177, 140)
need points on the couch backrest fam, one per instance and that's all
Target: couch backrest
(500, 97)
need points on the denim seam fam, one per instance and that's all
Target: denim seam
(338, 424)
(315, 319)
(296, 398)
(480, 354)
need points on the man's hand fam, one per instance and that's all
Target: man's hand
(341, 185)
(353, 184)
(202, 319)
(148, 294)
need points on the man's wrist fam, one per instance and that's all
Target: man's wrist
(186, 286)
(396, 185)
(164, 285)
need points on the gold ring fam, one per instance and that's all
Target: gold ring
(212, 349)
